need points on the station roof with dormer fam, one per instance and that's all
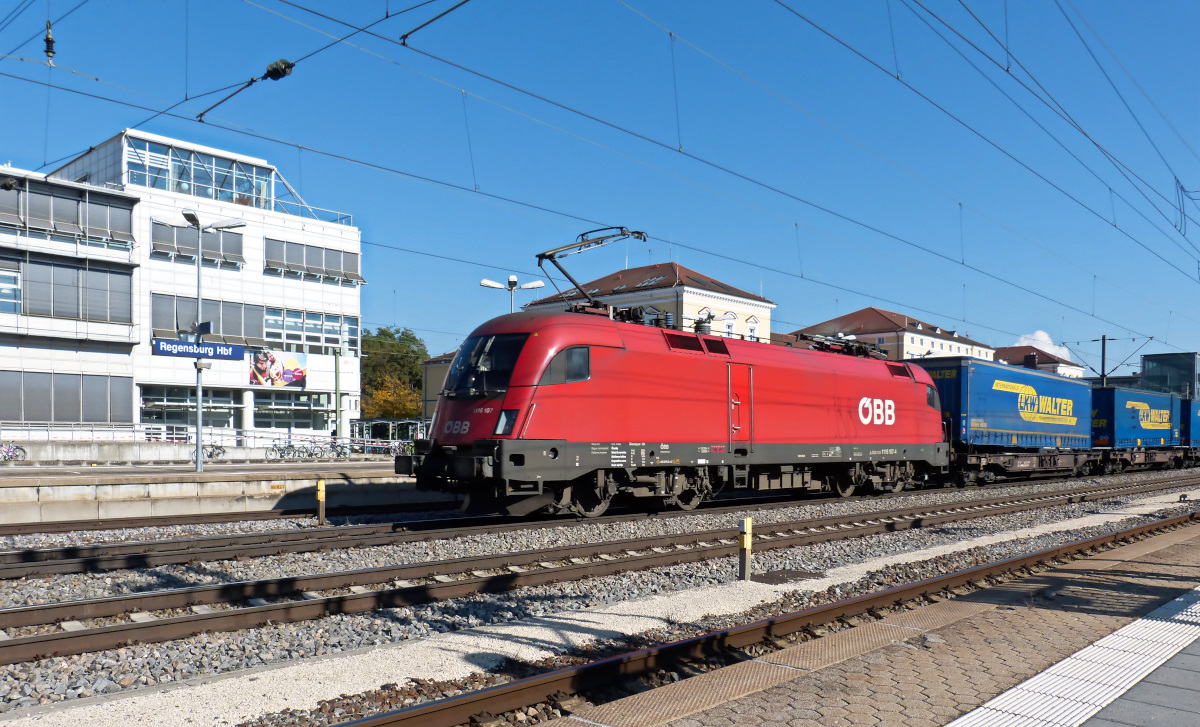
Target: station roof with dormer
(649, 277)
(874, 321)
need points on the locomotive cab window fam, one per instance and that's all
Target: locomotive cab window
(484, 364)
(568, 365)
(931, 397)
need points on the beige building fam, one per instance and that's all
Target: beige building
(433, 378)
(670, 289)
(1041, 360)
(901, 336)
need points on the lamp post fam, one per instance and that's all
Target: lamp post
(193, 220)
(512, 288)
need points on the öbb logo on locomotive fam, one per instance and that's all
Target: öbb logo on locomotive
(877, 411)
(1042, 409)
(457, 427)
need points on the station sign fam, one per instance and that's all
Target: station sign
(191, 349)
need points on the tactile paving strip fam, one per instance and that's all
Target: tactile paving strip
(1074, 689)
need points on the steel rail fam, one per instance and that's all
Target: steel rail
(212, 518)
(499, 699)
(155, 521)
(662, 550)
(147, 554)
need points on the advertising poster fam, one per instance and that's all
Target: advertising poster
(278, 368)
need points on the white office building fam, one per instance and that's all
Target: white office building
(97, 261)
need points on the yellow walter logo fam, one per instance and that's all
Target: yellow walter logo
(1150, 418)
(1041, 409)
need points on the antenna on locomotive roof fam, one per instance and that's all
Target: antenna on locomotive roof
(586, 241)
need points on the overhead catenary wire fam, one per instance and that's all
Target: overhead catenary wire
(720, 168)
(979, 134)
(504, 199)
(930, 185)
(567, 215)
(1052, 103)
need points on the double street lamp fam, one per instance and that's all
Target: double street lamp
(193, 220)
(512, 288)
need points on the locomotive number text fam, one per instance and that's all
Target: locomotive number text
(457, 427)
(876, 411)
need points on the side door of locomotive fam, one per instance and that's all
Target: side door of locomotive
(741, 403)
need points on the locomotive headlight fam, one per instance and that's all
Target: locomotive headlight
(508, 419)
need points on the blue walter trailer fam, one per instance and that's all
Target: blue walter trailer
(1008, 420)
(1189, 430)
(1136, 428)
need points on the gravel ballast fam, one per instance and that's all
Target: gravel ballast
(51, 589)
(63, 679)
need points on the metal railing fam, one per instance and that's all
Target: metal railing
(223, 442)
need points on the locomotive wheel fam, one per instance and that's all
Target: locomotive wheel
(590, 503)
(688, 499)
(846, 486)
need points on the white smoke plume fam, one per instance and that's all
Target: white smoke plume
(1042, 340)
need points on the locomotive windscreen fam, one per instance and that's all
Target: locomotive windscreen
(484, 364)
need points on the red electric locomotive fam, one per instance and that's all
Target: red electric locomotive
(563, 411)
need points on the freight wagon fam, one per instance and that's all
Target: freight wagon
(1189, 431)
(1011, 421)
(1134, 428)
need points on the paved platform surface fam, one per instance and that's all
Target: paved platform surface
(928, 666)
(1169, 696)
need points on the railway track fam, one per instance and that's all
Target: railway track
(148, 554)
(521, 693)
(56, 628)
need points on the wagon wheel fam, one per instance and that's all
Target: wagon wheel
(590, 502)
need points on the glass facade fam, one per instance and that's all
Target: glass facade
(159, 166)
(1176, 373)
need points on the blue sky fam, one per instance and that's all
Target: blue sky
(814, 176)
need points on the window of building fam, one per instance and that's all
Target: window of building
(10, 207)
(292, 411)
(293, 330)
(650, 281)
(70, 291)
(182, 171)
(880, 340)
(214, 246)
(252, 320)
(10, 286)
(274, 324)
(752, 331)
(32, 396)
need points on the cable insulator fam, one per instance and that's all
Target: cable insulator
(279, 69)
(49, 44)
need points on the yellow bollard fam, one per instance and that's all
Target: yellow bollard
(320, 502)
(744, 538)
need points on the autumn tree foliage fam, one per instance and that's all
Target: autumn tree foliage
(391, 373)
(391, 398)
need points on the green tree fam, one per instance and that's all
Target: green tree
(392, 356)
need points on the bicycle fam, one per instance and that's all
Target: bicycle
(399, 448)
(338, 451)
(282, 451)
(12, 452)
(211, 451)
